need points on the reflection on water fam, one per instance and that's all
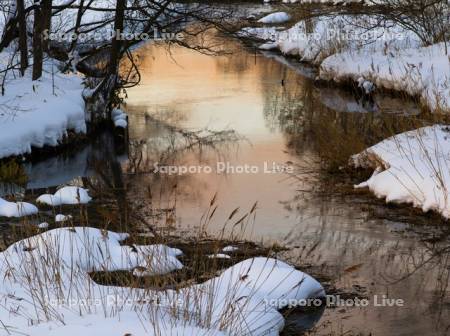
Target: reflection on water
(286, 122)
(64, 168)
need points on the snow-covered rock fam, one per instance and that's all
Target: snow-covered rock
(66, 195)
(43, 225)
(16, 209)
(411, 167)
(62, 218)
(367, 86)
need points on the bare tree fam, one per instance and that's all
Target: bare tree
(46, 6)
(23, 46)
(428, 19)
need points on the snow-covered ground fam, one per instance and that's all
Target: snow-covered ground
(46, 290)
(39, 113)
(412, 167)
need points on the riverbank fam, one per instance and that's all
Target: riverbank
(353, 49)
(40, 113)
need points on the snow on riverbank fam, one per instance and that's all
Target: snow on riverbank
(423, 72)
(39, 113)
(322, 37)
(345, 48)
(46, 283)
(412, 167)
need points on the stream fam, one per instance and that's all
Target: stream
(253, 127)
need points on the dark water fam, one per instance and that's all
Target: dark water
(192, 110)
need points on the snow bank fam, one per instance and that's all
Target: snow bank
(314, 41)
(66, 195)
(347, 48)
(424, 72)
(278, 17)
(19, 209)
(46, 282)
(412, 167)
(38, 113)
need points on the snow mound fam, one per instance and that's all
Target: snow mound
(66, 195)
(411, 167)
(19, 209)
(273, 280)
(278, 17)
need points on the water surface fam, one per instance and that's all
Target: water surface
(271, 103)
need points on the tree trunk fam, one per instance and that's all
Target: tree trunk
(46, 21)
(116, 44)
(37, 42)
(23, 47)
